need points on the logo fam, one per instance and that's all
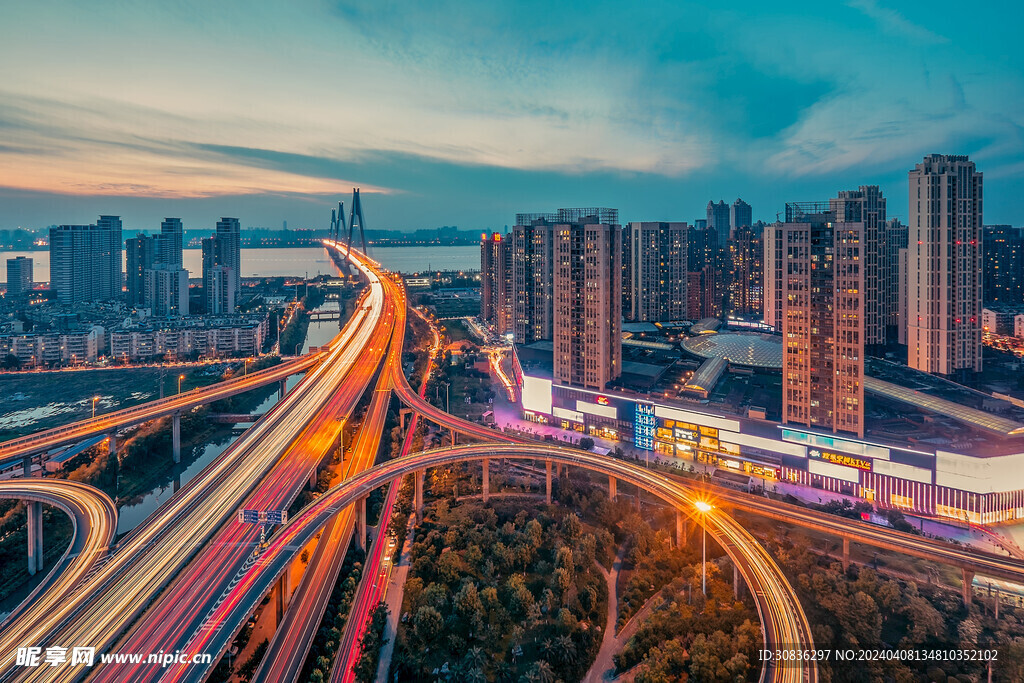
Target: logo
(602, 401)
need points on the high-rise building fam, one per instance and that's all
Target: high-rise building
(740, 214)
(218, 279)
(533, 278)
(1003, 282)
(141, 253)
(944, 267)
(774, 258)
(654, 258)
(719, 220)
(701, 294)
(704, 263)
(19, 278)
(85, 261)
(894, 239)
(746, 275)
(588, 298)
(165, 290)
(867, 205)
(496, 282)
(173, 234)
(823, 323)
(229, 246)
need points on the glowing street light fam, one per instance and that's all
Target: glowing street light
(180, 377)
(704, 508)
(94, 399)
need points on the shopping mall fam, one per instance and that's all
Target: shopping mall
(928, 454)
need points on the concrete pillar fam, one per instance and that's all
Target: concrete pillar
(547, 481)
(361, 524)
(403, 414)
(35, 536)
(612, 490)
(282, 389)
(112, 444)
(418, 495)
(846, 553)
(279, 599)
(735, 581)
(26, 465)
(968, 577)
(486, 478)
(313, 479)
(176, 437)
(680, 529)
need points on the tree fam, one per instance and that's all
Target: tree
(586, 443)
(427, 624)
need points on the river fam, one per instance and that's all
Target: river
(298, 261)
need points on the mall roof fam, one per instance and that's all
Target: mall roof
(707, 376)
(965, 414)
(751, 350)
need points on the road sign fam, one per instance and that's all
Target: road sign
(277, 516)
(262, 516)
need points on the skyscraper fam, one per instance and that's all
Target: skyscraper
(893, 307)
(19, 278)
(218, 279)
(746, 275)
(85, 261)
(774, 260)
(588, 298)
(496, 282)
(1003, 282)
(944, 267)
(823, 325)
(165, 290)
(172, 233)
(229, 246)
(719, 220)
(141, 254)
(533, 277)
(740, 214)
(867, 205)
(654, 261)
(704, 263)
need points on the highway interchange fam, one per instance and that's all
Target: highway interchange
(192, 575)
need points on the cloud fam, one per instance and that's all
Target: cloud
(892, 21)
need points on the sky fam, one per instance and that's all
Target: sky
(460, 112)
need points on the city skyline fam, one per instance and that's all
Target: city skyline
(683, 106)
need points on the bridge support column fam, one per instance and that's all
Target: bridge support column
(112, 444)
(547, 481)
(361, 524)
(968, 577)
(26, 466)
(418, 495)
(282, 389)
(176, 437)
(35, 537)
(735, 581)
(313, 479)
(681, 530)
(486, 478)
(846, 554)
(403, 414)
(281, 588)
(612, 489)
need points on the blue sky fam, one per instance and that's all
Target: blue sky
(464, 112)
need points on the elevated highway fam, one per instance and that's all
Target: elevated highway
(93, 522)
(783, 620)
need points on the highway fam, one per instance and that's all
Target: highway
(287, 650)
(13, 451)
(782, 618)
(93, 520)
(178, 611)
(147, 560)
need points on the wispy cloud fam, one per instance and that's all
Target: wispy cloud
(892, 21)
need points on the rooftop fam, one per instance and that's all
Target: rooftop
(753, 350)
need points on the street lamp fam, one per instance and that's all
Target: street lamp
(94, 399)
(245, 366)
(704, 509)
(180, 377)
